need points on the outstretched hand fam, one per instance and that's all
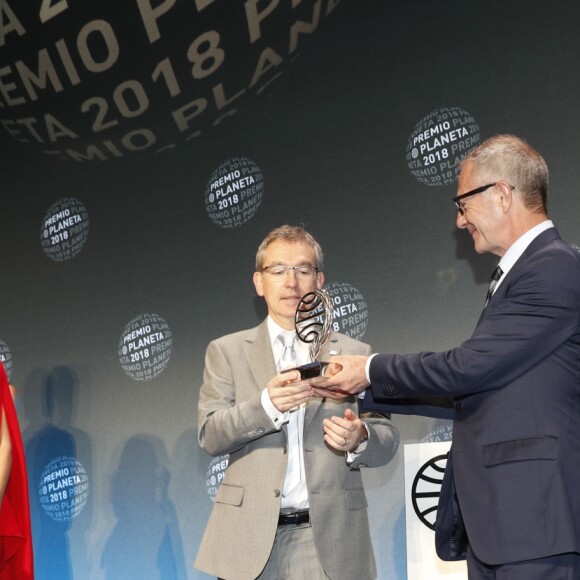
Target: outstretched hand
(344, 376)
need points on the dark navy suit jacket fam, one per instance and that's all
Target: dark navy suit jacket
(513, 473)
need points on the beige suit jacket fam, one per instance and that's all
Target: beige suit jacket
(242, 526)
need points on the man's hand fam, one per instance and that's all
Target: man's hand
(345, 375)
(287, 391)
(344, 433)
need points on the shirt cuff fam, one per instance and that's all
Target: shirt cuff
(352, 456)
(361, 395)
(277, 417)
(368, 366)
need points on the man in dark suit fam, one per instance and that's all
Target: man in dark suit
(509, 502)
(292, 504)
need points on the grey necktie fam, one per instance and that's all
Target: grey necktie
(288, 356)
(288, 360)
(497, 274)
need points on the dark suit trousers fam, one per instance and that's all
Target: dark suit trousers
(561, 567)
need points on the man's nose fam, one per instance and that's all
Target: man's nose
(460, 220)
(291, 278)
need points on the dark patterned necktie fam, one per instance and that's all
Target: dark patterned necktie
(497, 274)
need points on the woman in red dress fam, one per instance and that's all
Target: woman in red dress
(16, 561)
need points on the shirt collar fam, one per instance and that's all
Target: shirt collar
(520, 245)
(274, 330)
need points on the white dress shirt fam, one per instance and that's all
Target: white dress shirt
(298, 498)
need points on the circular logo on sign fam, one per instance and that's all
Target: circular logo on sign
(145, 347)
(439, 142)
(234, 192)
(65, 229)
(63, 489)
(215, 474)
(350, 310)
(426, 490)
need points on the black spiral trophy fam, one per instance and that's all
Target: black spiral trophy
(313, 322)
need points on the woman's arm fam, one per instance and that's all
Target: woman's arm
(5, 455)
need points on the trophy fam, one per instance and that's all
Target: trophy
(313, 323)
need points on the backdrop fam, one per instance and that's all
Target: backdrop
(147, 148)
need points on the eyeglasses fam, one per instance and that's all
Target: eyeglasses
(302, 272)
(475, 191)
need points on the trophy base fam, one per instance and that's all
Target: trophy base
(310, 370)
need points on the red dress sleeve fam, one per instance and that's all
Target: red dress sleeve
(16, 559)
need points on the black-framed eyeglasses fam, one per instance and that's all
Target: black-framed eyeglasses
(475, 191)
(302, 272)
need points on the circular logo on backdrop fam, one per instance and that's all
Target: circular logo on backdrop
(440, 433)
(110, 82)
(63, 489)
(6, 358)
(234, 192)
(439, 142)
(350, 310)
(145, 347)
(65, 229)
(215, 474)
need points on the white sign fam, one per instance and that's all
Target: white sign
(424, 467)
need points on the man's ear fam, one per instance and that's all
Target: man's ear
(320, 280)
(258, 283)
(506, 195)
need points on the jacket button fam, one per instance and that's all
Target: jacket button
(276, 493)
(284, 449)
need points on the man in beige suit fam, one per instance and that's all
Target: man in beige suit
(292, 504)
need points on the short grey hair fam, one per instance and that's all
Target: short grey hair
(293, 235)
(509, 158)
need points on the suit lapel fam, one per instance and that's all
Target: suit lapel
(331, 348)
(260, 358)
(537, 244)
(258, 351)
